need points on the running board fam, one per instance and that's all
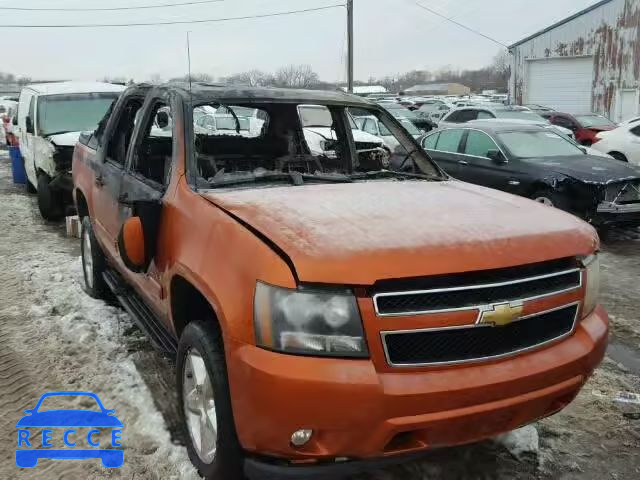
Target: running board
(160, 337)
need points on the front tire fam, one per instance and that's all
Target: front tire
(93, 262)
(205, 403)
(49, 202)
(551, 199)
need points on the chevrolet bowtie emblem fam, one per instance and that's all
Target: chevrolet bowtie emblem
(500, 315)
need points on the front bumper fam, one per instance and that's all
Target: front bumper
(361, 415)
(614, 214)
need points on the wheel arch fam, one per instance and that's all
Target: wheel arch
(82, 206)
(189, 303)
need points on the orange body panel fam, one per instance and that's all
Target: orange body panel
(360, 408)
(357, 410)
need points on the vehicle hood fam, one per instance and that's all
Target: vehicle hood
(69, 418)
(362, 232)
(68, 139)
(588, 168)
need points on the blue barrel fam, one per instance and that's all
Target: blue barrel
(17, 166)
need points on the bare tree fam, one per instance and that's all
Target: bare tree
(195, 77)
(252, 78)
(297, 76)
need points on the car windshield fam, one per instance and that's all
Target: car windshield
(398, 111)
(536, 144)
(72, 113)
(239, 111)
(228, 122)
(300, 144)
(411, 128)
(519, 115)
(65, 402)
(588, 121)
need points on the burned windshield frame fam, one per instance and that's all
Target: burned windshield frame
(345, 144)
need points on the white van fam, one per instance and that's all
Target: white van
(51, 117)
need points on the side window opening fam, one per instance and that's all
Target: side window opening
(449, 141)
(431, 141)
(478, 144)
(121, 139)
(154, 154)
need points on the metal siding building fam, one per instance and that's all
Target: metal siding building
(587, 62)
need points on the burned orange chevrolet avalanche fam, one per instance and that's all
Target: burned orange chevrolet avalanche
(329, 315)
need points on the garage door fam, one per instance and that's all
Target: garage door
(564, 83)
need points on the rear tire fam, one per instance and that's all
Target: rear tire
(49, 202)
(93, 262)
(30, 188)
(201, 349)
(619, 156)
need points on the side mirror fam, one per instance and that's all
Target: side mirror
(29, 125)
(138, 237)
(131, 244)
(496, 156)
(162, 119)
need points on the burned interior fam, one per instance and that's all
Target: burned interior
(266, 138)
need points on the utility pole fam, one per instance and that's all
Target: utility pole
(350, 39)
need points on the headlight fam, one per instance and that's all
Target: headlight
(592, 290)
(308, 322)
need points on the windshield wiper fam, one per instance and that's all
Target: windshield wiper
(392, 173)
(296, 178)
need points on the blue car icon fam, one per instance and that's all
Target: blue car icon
(68, 419)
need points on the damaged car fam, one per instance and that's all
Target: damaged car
(534, 162)
(326, 315)
(51, 117)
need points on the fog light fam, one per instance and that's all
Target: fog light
(301, 437)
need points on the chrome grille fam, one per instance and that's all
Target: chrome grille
(470, 297)
(473, 343)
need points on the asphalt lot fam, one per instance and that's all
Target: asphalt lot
(53, 337)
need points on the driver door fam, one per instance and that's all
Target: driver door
(144, 184)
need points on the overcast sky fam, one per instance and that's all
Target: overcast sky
(392, 36)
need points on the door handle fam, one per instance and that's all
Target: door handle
(99, 181)
(463, 162)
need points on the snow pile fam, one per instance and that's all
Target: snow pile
(81, 340)
(520, 442)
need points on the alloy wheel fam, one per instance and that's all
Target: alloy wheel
(199, 406)
(87, 258)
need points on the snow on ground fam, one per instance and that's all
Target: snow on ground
(76, 342)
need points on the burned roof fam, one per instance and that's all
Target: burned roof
(206, 92)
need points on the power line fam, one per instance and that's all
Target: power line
(108, 9)
(177, 22)
(448, 19)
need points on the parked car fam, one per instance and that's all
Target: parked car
(541, 165)
(373, 126)
(622, 143)
(538, 108)
(434, 111)
(510, 114)
(50, 119)
(585, 127)
(321, 137)
(308, 299)
(422, 123)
